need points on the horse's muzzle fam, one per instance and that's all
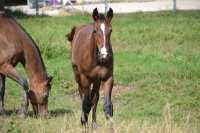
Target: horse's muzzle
(43, 111)
(40, 110)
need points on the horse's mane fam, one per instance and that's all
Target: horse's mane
(70, 36)
(102, 17)
(34, 44)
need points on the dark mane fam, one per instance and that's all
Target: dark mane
(34, 44)
(70, 35)
(102, 17)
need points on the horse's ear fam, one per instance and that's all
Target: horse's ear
(110, 14)
(95, 14)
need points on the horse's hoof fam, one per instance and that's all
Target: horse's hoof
(94, 125)
(110, 119)
(3, 113)
(83, 122)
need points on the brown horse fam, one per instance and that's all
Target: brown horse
(92, 62)
(16, 46)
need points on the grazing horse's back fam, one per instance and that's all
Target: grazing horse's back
(9, 43)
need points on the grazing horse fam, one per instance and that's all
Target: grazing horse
(16, 46)
(92, 62)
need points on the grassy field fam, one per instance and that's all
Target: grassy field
(157, 56)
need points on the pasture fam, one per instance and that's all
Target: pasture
(157, 75)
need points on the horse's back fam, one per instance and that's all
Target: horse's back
(8, 39)
(82, 33)
(8, 30)
(81, 43)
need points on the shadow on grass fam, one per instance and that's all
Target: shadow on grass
(60, 112)
(52, 113)
(9, 113)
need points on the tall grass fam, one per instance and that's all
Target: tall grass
(70, 124)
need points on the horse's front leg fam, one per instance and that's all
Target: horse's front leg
(10, 71)
(84, 90)
(2, 91)
(108, 106)
(86, 107)
(24, 100)
(95, 99)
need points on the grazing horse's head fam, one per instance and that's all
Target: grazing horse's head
(39, 97)
(102, 32)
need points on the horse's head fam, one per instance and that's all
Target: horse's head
(102, 32)
(39, 97)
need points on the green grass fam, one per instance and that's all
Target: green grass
(155, 53)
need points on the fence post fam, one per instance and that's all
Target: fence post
(174, 5)
(106, 5)
(83, 8)
(36, 7)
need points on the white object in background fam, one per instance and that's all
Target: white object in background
(68, 2)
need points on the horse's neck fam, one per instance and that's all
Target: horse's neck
(34, 66)
(93, 52)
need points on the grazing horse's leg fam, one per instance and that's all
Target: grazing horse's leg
(95, 99)
(108, 107)
(10, 71)
(2, 91)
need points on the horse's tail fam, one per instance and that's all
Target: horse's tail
(70, 36)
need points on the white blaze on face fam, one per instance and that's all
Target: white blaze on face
(103, 50)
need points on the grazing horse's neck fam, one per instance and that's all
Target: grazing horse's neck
(34, 65)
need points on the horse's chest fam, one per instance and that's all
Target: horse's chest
(98, 72)
(102, 72)
(92, 72)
